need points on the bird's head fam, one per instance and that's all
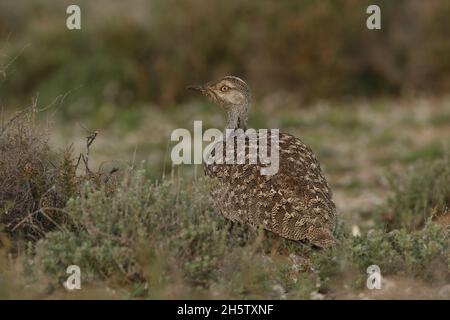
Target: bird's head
(230, 92)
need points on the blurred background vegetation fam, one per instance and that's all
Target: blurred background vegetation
(373, 105)
(148, 51)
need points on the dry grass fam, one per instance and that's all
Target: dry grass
(36, 181)
(34, 184)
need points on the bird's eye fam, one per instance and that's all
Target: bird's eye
(224, 89)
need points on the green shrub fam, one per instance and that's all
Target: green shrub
(419, 192)
(120, 237)
(423, 254)
(150, 236)
(111, 230)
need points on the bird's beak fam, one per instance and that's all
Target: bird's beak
(198, 88)
(204, 90)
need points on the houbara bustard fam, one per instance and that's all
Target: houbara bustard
(294, 203)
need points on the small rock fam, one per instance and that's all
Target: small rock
(315, 295)
(444, 292)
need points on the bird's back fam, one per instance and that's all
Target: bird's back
(295, 203)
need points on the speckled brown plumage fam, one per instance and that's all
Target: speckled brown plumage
(295, 203)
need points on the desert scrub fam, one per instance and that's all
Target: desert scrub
(423, 254)
(152, 236)
(154, 233)
(418, 192)
(112, 231)
(35, 182)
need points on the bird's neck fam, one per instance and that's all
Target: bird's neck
(237, 117)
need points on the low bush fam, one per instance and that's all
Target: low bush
(112, 231)
(121, 237)
(35, 181)
(422, 254)
(419, 192)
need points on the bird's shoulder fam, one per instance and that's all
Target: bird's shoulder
(298, 165)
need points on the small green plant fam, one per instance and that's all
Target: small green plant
(424, 254)
(418, 193)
